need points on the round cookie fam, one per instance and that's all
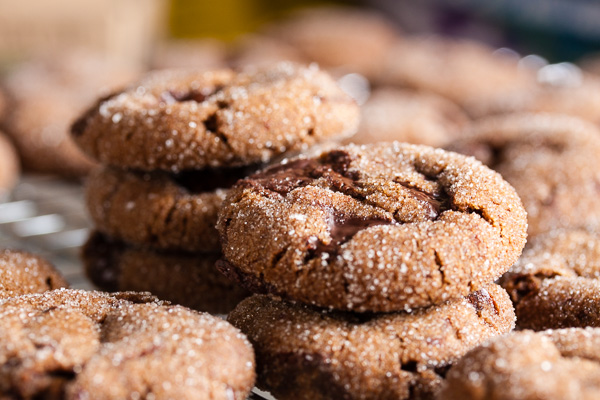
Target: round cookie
(161, 210)
(375, 228)
(568, 92)
(307, 353)
(351, 39)
(191, 280)
(392, 114)
(71, 344)
(556, 282)
(9, 166)
(550, 159)
(24, 273)
(561, 364)
(46, 95)
(177, 120)
(457, 69)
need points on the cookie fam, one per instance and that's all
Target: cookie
(550, 159)
(561, 88)
(307, 353)
(560, 364)
(392, 114)
(458, 69)
(23, 273)
(351, 39)
(177, 120)
(71, 344)
(556, 282)
(9, 166)
(46, 95)
(375, 228)
(189, 279)
(158, 209)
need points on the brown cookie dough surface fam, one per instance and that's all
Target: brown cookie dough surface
(189, 279)
(457, 69)
(177, 120)
(158, 209)
(550, 159)
(406, 116)
(24, 273)
(307, 353)
(9, 166)
(71, 344)
(556, 282)
(372, 228)
(561, 364)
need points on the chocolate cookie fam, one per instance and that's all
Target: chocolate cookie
(9, 166)
(566, 90)
(372, 228)
(191, 280)
(351, 39)
(70, 344)
(176, 120)
(562, 364)
(459, 70)
(306, 353)
(46, 95)
(392, 114)
(556, 282)
(550, 159)
(23, 273)
(161, 210)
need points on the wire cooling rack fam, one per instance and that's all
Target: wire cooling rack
(46, 215)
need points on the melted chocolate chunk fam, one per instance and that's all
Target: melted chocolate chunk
(482, 300)
(436, 203)
(341, 230)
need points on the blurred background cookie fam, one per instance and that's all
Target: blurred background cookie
(408, 116)
(9, 166)
(46, 95)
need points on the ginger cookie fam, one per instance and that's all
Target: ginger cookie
(372, 228)
(178, 120)
(550, 159)
(556, 282)
(24, 273)
(72, 344)
(189, 279)
(562, 364)
(307, 353)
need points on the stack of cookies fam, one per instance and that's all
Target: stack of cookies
(373, 268)
(171, 145)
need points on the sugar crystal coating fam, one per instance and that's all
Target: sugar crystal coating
(556, 364)
(81, 345)
(372, 228)
(177, 120)
(306, 353)
(555, 283)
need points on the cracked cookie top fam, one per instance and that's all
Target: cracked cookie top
(556, 364)
(550, 159)
(376, 228)
(177, 120)
(307, 353)
(72, 344)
